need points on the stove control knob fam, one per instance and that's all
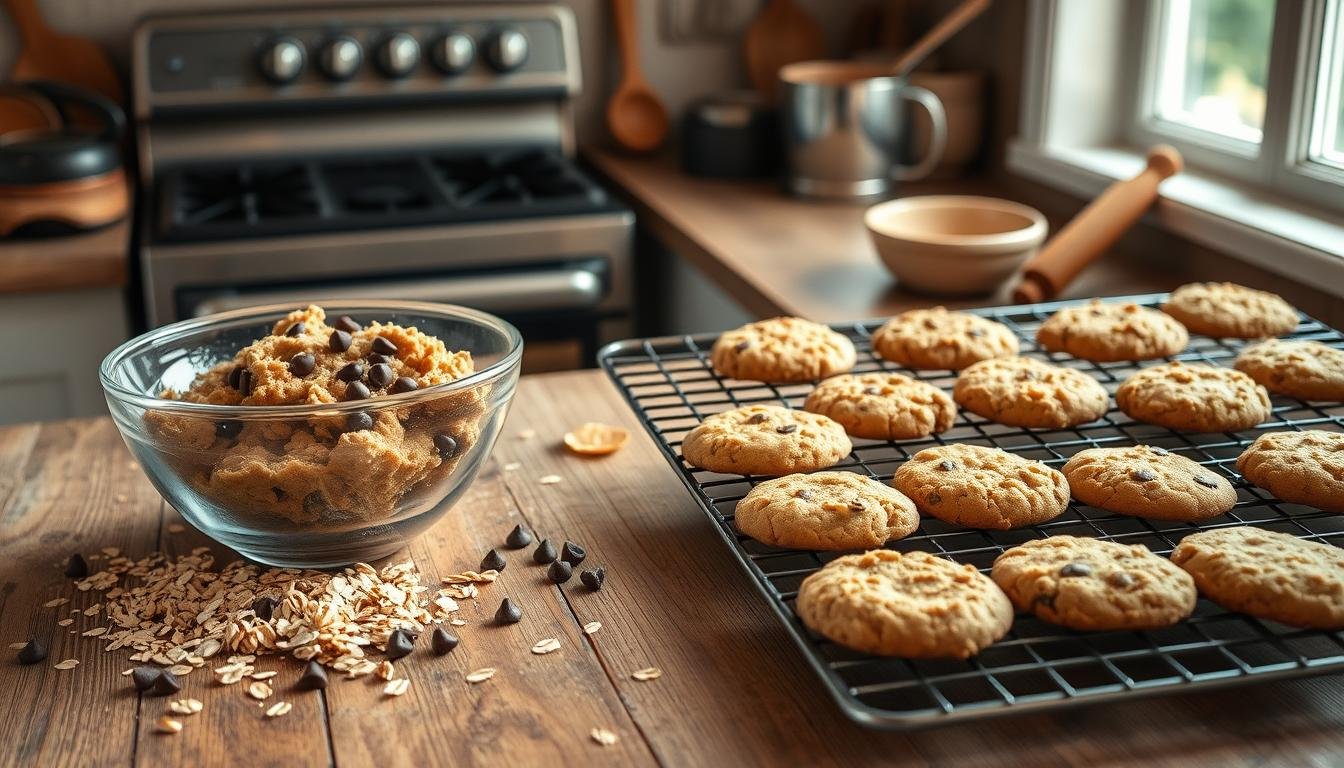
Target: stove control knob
(282, 60)
(508, 50)
(398, 55)
(341, 57)
(453, 53)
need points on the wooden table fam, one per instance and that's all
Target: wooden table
(95, 259)
(733, 690)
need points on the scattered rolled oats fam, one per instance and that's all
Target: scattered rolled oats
(527, 434)
(604, 737)
(385, 670)
(181, 670)
(513, 466)
(397, 687)
(481, 675)
(55, 602)
(18, 645)
(591, 627)
(65, 622)
(549, 479)
(279, 708)
(471, 577)
(67, 664)
(185, 706)
(648, 673)
(259, 691)
(546, 646)
(113, 551)
(166, 724)
(458, 622)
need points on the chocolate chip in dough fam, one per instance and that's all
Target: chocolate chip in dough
(166, 684)
(559, 572)
(383, 347)
(376, 359)
(347, 323)
(1120, 580)
(757, 418)
(314, 678)
(508, 613)
(442, 641)
(493, 561)
(805, 494)
(1206, 481)
(871, 391)
(544, 553)
(358, 422)
(228, 428)
(380, 376)
(145, 676)
(933, 498)
(947, 465)
(235, 378)
(302, 364)
(593, 579)
(1143, 475)
(742, 346)
(1075, 570)
(338, 341)
(76, 567)
(245, 382)
(446, 445)
(856, 506)
(33, 652)
(264, 607)
(572, 553)
(403, 384)
(356, 391)
(400, 643)
(350, 372)
(296, 329)
(786, 429)
(518, 538)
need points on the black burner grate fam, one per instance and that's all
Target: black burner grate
(671, 386)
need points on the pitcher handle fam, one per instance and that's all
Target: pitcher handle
(937, 136)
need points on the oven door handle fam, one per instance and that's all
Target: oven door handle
(568, 288)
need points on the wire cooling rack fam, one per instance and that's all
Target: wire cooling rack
(671, 387)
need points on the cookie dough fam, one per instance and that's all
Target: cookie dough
(765, 440)
(330, 470)
(1148, 481)
(1090, 584)
(980, 487)
(1025, 392)
(883, 406)
(913, 605)
(1298, 467)
(826, 510)
(1307, 370)
(1268, 575)
(782, 349)
(1106, 332)
(1228, 310)
(937, 339)
(1194, 398)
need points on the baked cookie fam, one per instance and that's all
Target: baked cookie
(1307, 370)
(938, 339)
(1103, 332)
(765, 440)
(883, 406)
(826, 510)
(1024, 392)
(1228, 310)
(912, 605)
(1090, 584)
(1268, 575)
(782, 349)
(1148, 481)
(1298, 467)
(1195, 398)
(982, 487)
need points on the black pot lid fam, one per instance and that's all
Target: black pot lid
(46, 158)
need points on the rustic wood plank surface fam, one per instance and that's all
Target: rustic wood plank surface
(733, 690)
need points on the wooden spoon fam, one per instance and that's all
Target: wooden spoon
(636, 118)
(47, 55)
(782, 33)
(943, 31)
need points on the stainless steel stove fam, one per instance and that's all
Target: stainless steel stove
(416, 152)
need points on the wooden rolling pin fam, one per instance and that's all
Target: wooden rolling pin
(1095, 229)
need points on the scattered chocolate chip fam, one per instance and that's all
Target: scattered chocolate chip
(338, 341)
(350, 372)
(166, 684)
(1074, 570)
(376, 359)
(1120, 580)
(245, 382)
(508, 613)
(228, 428)
(493, 561)
(314, 678)
(235, 377)
(403, 384)
(380, 376)
(947, 465)
(593, 579)
(933, 498)
(383, 347)
(358, 422)
(145, 676)
(347, 323)
(518, 538)
(871, 391)
(302, 364)
(264, 607)
(33, 652)
(356, 390)
(572, 553)
(804, 494)
(296, 329)
(442, 641)
(1158, 450)
(757, 418)
(559, 572)
(742, 345)
(856, 506)
(1143, 475)
(400, 643)
(446, 445)
(1206, 481)
(544, 553)
(786, 429)
(76, 567)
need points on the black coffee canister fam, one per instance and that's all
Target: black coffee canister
(732, 135)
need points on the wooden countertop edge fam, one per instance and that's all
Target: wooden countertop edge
(93, 260)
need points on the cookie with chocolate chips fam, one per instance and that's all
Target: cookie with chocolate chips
(1148, 481)
(980, 487)
(1090, 584)
(782, 349)
(937, 339)
(883, 405)
(1194, 398)
(765, 440)
(1106, 332)
(826, 510)
(1025, 392)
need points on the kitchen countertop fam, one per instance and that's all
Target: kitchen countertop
(733, 690)
(777, 254)
(95, 259)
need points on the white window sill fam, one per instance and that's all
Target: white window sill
(1281, 236)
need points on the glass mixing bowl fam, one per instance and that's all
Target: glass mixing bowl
(292, 485)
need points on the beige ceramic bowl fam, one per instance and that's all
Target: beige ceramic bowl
(954, 244)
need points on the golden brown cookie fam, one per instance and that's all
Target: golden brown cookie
(1090, 584)
(1194, 398)
(1307, 370)
(1148, 481)
(765, 440)
(1025, 392)
(1298, 467)
(883, 406)
(1106, 332)
(1267, 574)
(826, 510)
(982, 487)
(782, 349)
(1228, 310)
(912, 605)
(938, 339)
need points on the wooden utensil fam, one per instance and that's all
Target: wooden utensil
(943, 31)
(48, 55)
(636, 118)
(781, 34)
(1095, 229)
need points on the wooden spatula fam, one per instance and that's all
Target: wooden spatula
(781, 34)
(48, 55)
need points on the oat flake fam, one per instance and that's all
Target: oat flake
(186, 706)
(546, 646)
(481, 675)
(591, 627)
(259, 691)
(279, 708)
(397, 687)
(648, 673)
(604, 737)
(166, 724)
(549, 479)
(67, 664)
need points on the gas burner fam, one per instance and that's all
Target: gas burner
(527, 176)
(243, 195)
(394, 186)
